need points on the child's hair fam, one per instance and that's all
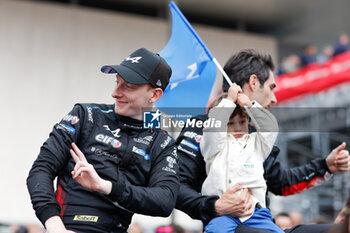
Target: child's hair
(238, 109)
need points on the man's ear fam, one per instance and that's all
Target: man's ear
(156, 94)
(253, 82)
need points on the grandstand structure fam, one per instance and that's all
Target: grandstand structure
(310, 127)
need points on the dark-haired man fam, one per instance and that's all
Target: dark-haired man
(252, 71)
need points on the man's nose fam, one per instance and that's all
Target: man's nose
(274, 99)
(117, 92)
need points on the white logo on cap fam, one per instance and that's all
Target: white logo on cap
(159, 83)
(133, 59)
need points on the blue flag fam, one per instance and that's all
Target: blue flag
(194, 71)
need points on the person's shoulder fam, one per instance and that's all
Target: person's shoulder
(104, 108)
(161, 134)
(162, 139)
(203, 117)
(191, 135)
(195, 124)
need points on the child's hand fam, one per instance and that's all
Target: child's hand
(243, 100)
(233, 92)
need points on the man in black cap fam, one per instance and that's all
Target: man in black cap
(108, 166)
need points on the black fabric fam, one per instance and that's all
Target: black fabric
(313, 228)
(245, 229)
(140, 163)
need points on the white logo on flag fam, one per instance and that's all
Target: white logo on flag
(133, 59)
(193, 69)
(192, 75)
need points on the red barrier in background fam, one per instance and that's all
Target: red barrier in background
(313, 78)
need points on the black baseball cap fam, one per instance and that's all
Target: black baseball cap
(142, 67)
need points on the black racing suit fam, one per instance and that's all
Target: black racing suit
(140, 163)
(192, 175)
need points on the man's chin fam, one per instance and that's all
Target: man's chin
(120, 111)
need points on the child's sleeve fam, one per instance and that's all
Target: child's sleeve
(267, 129)
(214, 138)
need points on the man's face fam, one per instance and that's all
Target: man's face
(130, 99)
(264, 94)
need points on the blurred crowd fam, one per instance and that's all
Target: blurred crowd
(283, 220)
(341, 222)
(172, 228)
(20, 228)
(134, 228)
(310, 55)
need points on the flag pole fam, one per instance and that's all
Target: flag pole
(210, 55)
(228, 80)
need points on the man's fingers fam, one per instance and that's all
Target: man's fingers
(341, 161)
(250, 210)
(342, 158)
(344, 153)
(78, 152)
(244, 194)
(340, 147)
(247, 200)
(75, 157)
(77, 166)
(79, 171)
(246, 210)
(235, 188)
(345, 165)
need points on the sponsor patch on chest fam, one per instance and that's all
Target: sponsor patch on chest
(140, 152)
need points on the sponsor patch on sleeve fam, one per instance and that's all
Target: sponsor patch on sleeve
(66, 128)
(71, 119)
(189, 144)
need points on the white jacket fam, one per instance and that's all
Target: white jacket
(232, 161)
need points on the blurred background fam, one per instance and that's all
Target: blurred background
(52, 51)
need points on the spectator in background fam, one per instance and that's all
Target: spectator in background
(321, 220)
(343, 213)
(325, 55)
(172, 228)
(34, 228)
(297, 217)
(309, 55)
(284, 221)
(342, 219)
(289, 64)
(342, 45)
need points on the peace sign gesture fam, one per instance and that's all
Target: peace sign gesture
(85, 174)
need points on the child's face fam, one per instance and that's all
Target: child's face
(238, 126)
